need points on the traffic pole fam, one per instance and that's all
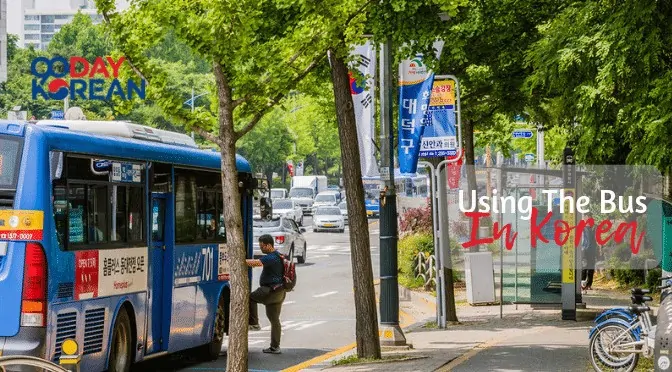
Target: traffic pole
(391, 333)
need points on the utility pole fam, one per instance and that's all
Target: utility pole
(391, 332)
(192, 99)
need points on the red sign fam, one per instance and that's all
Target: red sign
(86, 274)
(453, 171)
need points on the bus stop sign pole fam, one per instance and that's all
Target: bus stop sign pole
(568, 251)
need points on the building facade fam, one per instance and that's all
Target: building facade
(39, 26)
(41, 19)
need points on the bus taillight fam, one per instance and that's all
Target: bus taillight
(34, 299)
(280, 239)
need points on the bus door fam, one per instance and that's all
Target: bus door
(158, 320)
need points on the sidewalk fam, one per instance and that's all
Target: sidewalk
(525, 339)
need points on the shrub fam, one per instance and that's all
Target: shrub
(408, 248)
(416, 220)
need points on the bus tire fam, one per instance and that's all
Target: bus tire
(212, 350)
(121, 348)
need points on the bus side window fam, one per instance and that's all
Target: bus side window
(60, 214)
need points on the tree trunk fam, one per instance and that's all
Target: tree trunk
(236, 360)
(269, 178)
(368, 341)
(468, 135)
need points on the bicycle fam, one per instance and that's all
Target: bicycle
(622, 334)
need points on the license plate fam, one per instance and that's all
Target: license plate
(369, 213)
(328, 225)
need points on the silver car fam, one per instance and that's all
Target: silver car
(344, 211)
(287, 236)
(288, 208)
(328, 218)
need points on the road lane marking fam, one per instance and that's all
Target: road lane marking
(337, 352)
(289, 302)
(321, 256)
(310, 324)
(320, 358)
(325, 294)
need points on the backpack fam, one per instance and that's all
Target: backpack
(289, 274)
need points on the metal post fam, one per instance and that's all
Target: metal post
(192, 99)
(389, 287)
(435, 224)
(444, 239)
(541, 161)
(568, 289)
(66, 104)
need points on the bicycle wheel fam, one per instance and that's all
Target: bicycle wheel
(609, 336)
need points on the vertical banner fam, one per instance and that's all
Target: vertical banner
(362, 97)
(415, 87)
(439, 138)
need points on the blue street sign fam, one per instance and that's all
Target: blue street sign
(518, 133)
(57, 115)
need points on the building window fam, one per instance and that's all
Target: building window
(47, 19)
(31, 17)
(68, 17)
(47, 28)
(46, 38)
(31, 27)
(32, 37)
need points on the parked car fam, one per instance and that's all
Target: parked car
(344, 211)
(288, 208)
(328, 218)
(325, 199)
(287, 234)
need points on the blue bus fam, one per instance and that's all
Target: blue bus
(406, 186)
(111, 234)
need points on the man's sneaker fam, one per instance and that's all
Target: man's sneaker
(272, 350)
(255, 327)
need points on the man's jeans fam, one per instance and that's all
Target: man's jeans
(273, 302)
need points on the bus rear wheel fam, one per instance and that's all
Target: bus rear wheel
(121, 349)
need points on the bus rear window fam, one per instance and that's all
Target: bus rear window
(10, 160)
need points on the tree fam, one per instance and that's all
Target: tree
(602, 70)
(312, 119)
(269, 144)
(258, 51)
(362, 273)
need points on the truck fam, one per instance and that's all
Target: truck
(305, 188)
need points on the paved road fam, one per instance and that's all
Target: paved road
(318, 316)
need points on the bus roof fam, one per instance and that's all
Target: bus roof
(62, 139)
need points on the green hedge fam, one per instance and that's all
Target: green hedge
(408, 248)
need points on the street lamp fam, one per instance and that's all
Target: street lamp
(190, 102)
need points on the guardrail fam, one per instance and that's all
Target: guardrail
(425, 268)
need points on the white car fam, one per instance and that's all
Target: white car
(325, 199)
(328, 218)
(288, 208)
(344, 211)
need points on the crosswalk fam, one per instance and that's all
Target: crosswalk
(263, 336)
(326, 250)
